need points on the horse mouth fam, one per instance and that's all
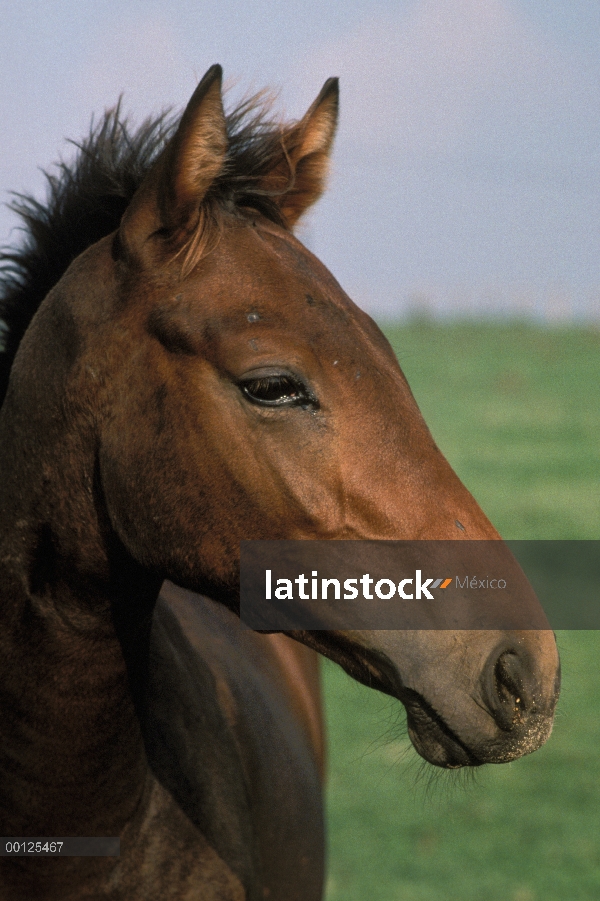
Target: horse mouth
(430, 735)
(433, 739)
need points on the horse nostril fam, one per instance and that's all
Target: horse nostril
(506, 694)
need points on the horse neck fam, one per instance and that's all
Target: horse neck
(74, 625)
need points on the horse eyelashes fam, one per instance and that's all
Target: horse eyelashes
(275, 391)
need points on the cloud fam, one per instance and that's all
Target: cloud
(455, 77)
(144, 61)
(468, 152)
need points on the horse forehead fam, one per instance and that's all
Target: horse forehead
(259, 278)
(273, 263)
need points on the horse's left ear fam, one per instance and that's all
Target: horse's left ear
(298, 179)
(167, 204)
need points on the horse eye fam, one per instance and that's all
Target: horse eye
(276, 391)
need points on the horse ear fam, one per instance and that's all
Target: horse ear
(298, 179)
(168, 200)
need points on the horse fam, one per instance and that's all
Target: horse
(180, 374)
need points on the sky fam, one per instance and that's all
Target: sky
(466, 172)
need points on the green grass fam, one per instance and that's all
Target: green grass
(516, 410)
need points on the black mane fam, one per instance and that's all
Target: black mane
(86, 199)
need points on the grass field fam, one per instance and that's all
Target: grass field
(516, 409)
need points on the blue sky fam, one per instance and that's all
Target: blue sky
(468, 157)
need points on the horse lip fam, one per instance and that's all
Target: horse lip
(429, 733)
(433, 739)
(431, 736)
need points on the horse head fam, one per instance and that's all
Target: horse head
(224, 387)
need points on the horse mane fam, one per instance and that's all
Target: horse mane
(86, 198)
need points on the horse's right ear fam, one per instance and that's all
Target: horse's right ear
(167, 203)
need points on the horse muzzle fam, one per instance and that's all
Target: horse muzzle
(519, 708)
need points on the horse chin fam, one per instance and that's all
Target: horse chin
(435, 742)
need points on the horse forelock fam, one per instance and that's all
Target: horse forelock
(86, 198)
